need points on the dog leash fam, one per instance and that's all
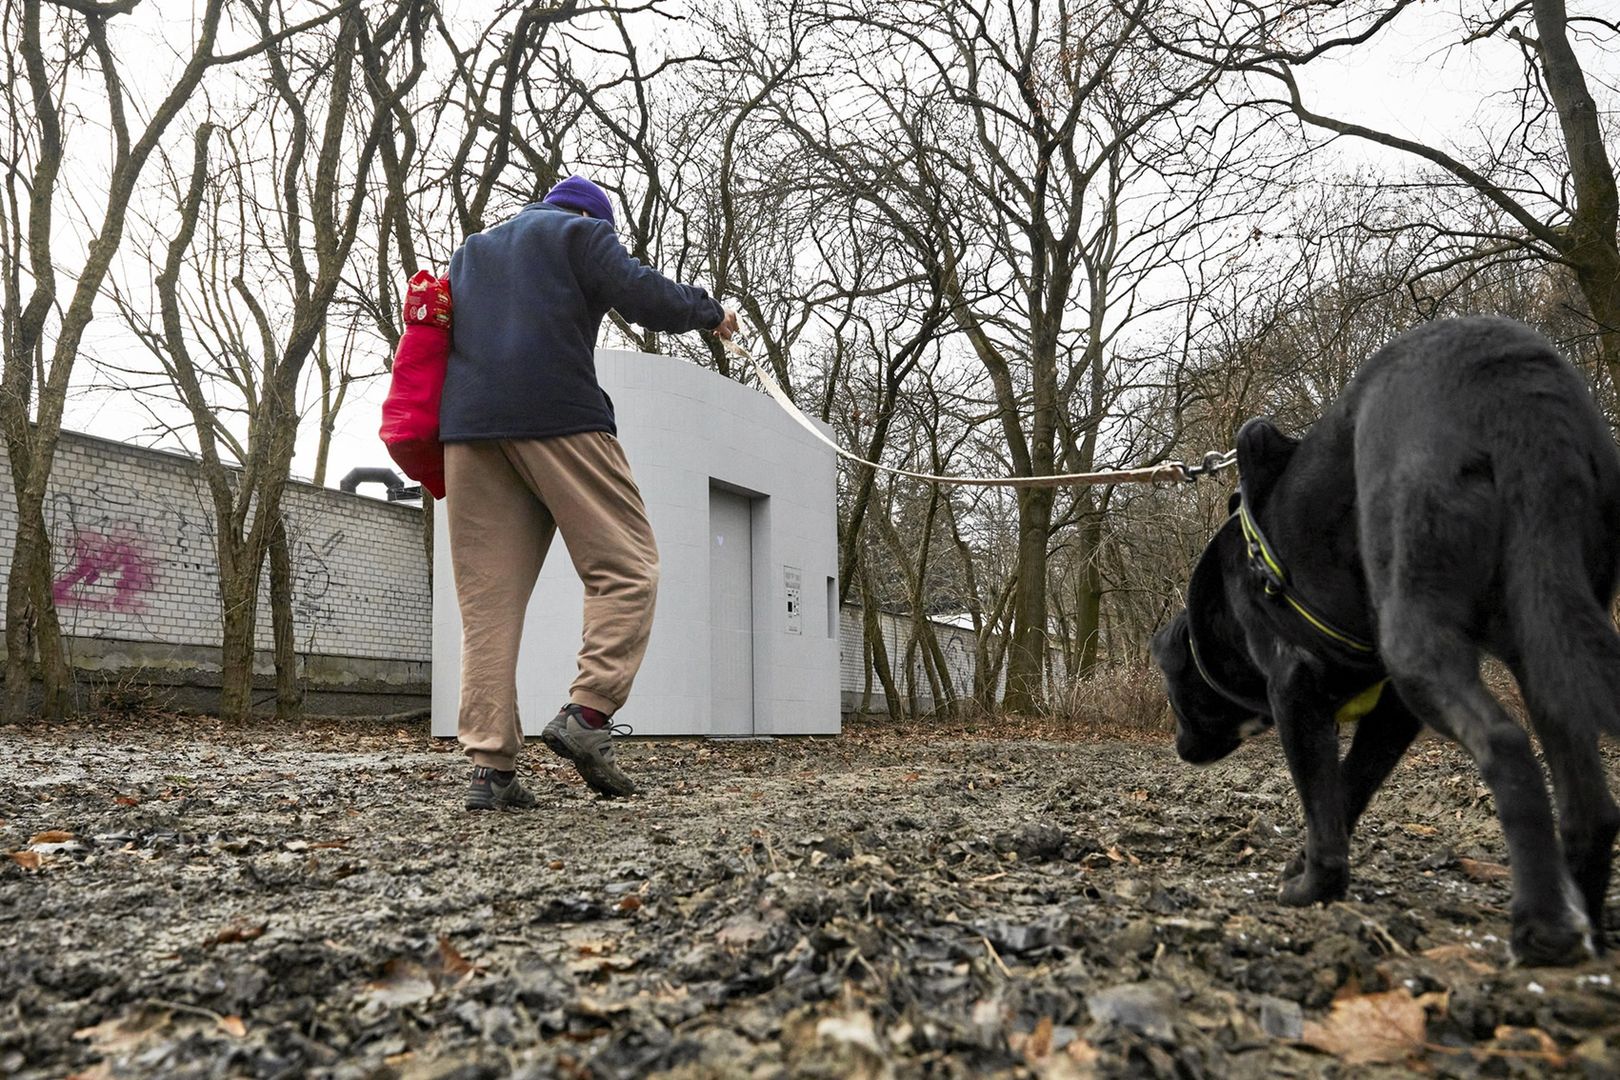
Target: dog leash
(1213, 462)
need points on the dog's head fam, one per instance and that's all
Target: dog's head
(1218, 696)
(1209, 725)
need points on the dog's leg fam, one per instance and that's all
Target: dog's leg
(1381, 738)
(1436, 671)
(1567, 696)
(1310, 742)
(1588, 819)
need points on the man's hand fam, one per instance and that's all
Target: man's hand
(727, 327)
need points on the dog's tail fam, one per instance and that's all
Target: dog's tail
(1560, 571)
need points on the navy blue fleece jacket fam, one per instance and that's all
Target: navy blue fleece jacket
(529, 297)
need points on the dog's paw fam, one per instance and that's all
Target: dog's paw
(1551, 942)
(1295, 867)
(1315, 885)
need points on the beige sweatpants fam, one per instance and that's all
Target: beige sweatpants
(505, 500)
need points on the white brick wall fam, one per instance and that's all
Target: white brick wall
(133, 557)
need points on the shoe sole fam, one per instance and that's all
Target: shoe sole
(587, 768)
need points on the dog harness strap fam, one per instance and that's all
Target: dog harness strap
(1362, 704)
(1241, 700)
(1263, 558)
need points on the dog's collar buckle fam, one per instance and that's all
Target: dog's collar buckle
(1272, 582)
(1265, 564)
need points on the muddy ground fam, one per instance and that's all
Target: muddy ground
(180, 900)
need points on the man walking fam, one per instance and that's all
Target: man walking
(530, 449)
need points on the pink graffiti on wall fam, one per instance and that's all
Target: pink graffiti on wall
(109, 573)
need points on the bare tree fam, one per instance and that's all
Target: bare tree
(58, 43)
(1012, 151)
(1541, 167)
(246, 288)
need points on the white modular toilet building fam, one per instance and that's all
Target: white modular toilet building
(743, 502)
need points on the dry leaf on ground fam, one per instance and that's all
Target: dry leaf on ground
(451, 962)
(52, 836)
(28, 860)
(1462, 953)
(404, 982)
(1370, 1028)
(240, 930)
(1484, 871)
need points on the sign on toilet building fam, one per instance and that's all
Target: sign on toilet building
(743, 502)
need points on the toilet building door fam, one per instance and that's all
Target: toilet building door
(731, 613)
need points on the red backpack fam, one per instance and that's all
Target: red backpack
(410, 413)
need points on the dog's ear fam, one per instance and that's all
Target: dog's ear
(1263, 453)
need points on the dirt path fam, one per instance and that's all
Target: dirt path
(314, 903)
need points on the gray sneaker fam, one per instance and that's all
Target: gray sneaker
(486, 792)
(591, 751)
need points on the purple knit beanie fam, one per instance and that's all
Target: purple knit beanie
(578, 193)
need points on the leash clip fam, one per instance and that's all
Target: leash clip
(1214, 461)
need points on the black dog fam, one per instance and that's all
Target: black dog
(1462, 494)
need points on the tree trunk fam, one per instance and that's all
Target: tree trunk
(238, 598)
(289, 690)
(31, 618)
(987, 661)
(56, 678)
(873, 622)
(1599, 278)
(1027, 651)
(19, 639)
(1088, 606)
(1594, 225)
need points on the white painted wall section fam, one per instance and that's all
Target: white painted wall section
(696, 442)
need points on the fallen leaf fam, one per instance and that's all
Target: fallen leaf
(240, 930)
(452, 962)
(28, 860)
(629, 903)
(404, 982)
(127, 800)
(1484, 871)
(1545, 1045)
(1040, 1040)
(52, 836)
(1371, 1028)
(1413, 828)
(330, 844)
(911, 778)
(232, 1025)
(1460, 953)
(555, 864)
(1083, 1053)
